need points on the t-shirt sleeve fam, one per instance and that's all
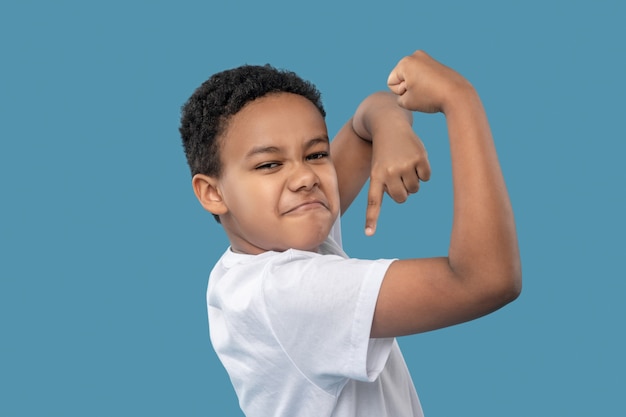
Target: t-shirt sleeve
(321, 310)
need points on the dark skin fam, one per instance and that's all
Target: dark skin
(482, 270)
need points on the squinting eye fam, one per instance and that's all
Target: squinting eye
(318, 155)
(268, 165)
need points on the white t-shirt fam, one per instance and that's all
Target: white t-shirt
(292, 330)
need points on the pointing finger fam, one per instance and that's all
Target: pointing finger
(374, 201)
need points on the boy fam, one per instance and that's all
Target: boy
(302, 329)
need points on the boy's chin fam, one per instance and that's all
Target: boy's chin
(306, 237)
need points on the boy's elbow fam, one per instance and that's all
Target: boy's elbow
(516, 284)
(514, 280)
(513, 289)
(507, 288)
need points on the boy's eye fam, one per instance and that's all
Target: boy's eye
(267, 165)
(317, 155)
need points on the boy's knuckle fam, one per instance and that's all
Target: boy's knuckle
(400, 198)
(391, 171)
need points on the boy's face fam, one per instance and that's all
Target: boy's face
(278, 183)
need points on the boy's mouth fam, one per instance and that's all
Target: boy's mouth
(312, 204)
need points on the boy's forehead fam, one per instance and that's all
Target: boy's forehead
(274, 120)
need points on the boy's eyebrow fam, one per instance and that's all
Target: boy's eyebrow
(275, 149)
(262, 149)
(322, 139)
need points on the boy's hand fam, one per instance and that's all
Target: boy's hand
(399, 163)
(423, 84)
(399, 159)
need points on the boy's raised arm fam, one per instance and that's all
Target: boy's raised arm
(482, 271)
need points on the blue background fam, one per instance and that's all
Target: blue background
(105, 252)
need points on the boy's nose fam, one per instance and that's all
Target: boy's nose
(303, 177)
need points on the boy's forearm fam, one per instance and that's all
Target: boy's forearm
(351, 156)
(483, 241)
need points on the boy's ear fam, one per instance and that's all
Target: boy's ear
(208, 194)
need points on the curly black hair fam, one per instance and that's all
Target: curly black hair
(206, 114)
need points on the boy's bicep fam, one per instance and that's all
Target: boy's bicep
(419, 295)
(352, 157)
